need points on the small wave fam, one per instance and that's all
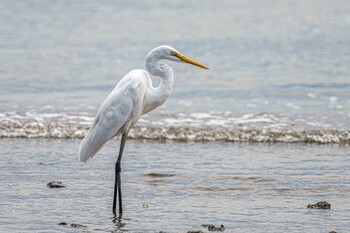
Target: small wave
(240, 135)
(159, 175)
(44, 125)
(222, 189)
(243, 179)
(187, 129)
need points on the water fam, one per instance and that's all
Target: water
(245, 187)
(275, 104)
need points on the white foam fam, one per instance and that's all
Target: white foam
(292, 105)
(311, 95)
(250, 127)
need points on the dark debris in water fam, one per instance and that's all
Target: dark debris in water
(214, 228)
(45, 164)
(221, 228)
(55, 184)
(76, 225)
(159, 175)
(319, 205)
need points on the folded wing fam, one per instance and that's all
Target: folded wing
(110, 119)
(119, 111)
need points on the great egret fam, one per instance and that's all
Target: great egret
(131, 98)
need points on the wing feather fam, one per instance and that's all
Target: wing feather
(110, 119)
(116, 112)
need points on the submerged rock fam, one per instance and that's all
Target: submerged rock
(195, 232)
(62, 224)
(319, 205)
(159, 174)
(76, 225)
(212, 227)
(55, 184)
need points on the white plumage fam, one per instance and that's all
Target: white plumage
(121, 110)
(132, 97)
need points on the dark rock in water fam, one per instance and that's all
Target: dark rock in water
(319, 205)
(332, 232)
(76, 225)
(214, 228)
(195, 232)
(55, 184)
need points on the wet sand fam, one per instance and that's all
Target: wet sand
(175, 187)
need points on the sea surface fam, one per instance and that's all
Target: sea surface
(245, 187)
(247, 144)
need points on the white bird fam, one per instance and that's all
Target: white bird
(131, 98)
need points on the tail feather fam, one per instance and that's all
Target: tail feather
(91, 144)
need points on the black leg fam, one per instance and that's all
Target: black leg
(120, 195)
(115, 187)
(117, 183)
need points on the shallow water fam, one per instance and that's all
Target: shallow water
(279, 74)
(246, 187)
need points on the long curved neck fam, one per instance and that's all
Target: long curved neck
(156, 96)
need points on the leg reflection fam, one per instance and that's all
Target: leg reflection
(118, 221)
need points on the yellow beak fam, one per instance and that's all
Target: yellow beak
(189, 60)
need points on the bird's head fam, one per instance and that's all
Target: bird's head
(169, 53)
